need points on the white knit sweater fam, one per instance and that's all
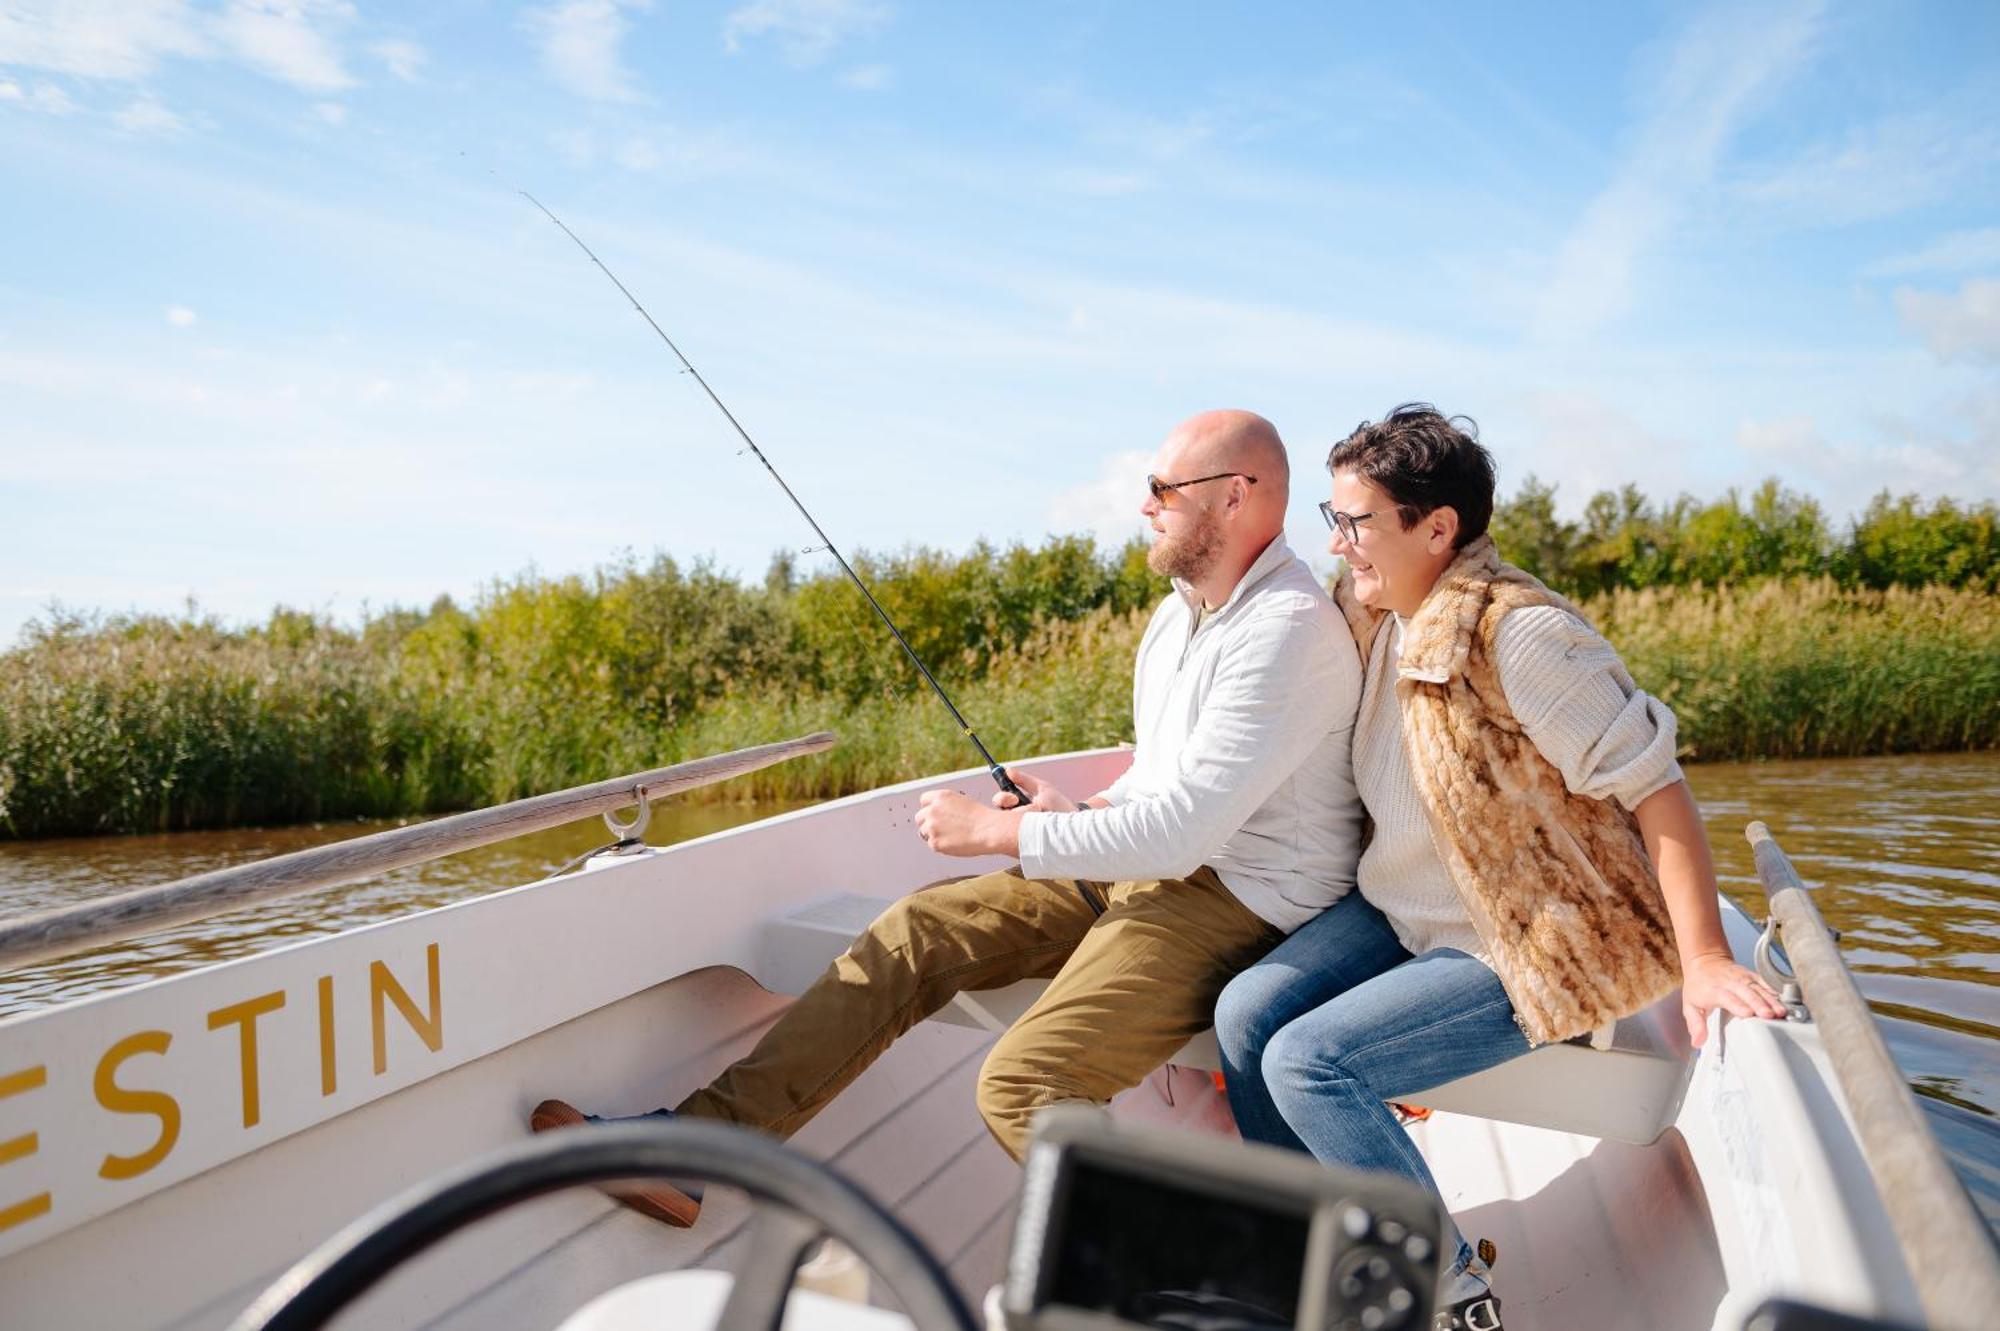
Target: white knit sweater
(1577, 704)
(1243, 721)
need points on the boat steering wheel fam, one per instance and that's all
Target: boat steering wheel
(799, 1202)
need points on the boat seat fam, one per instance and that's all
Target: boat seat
(1629, 1090)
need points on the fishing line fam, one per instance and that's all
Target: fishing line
(993, 768)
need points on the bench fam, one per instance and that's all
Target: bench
(1628, 1091)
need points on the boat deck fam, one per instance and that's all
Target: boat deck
(904, 1130)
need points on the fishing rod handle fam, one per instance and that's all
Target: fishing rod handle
(1007, 786)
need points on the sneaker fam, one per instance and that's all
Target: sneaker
(1472, 1305)
(661, 1201)
(1481, 1312)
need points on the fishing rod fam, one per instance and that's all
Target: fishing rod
(993, 768)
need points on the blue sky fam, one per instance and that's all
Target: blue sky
(274, 327)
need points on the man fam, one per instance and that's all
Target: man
(1236, 823)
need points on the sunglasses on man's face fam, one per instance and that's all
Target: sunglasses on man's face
(1161, 489)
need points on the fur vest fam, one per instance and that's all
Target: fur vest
(1558, 885)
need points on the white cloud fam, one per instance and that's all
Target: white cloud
(46, 98)
(1099, 184)
(1785, 438)
(1583, 443)
(330, 113)
(1724, 68)
(180, 316)
(1953, 449)
(553, 385)
(1959, 252)
(579, 42)
(1962, 326)
(1108, 506)
(674, 148)
(1877, 170)
(405, 59)
(146, 115)
(1127, 133)
(867, 78)
(127, 40)
(98, 39)
(806, 31)
(287, 40)
(638, 155)
(578, 147)
(1950, 452)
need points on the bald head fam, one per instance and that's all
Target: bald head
(1224, 523)
(1238, 441)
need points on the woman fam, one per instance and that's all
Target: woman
(1537, 867)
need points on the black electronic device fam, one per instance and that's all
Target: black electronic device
(1124, 1226)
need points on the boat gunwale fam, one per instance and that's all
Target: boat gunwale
(594, 867)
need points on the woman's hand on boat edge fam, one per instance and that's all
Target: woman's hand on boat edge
(1717, 980)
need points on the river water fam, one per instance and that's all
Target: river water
(1905, 852)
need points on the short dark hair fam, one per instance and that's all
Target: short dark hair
(1424, 461)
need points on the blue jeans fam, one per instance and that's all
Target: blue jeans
(1339, 1018)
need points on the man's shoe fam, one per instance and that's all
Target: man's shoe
(661, 1201)
(1481, 1312)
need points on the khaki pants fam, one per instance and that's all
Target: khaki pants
(1128, 988)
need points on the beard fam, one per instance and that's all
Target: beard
(1191, 555)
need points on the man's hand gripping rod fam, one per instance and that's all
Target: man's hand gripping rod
(993, 768)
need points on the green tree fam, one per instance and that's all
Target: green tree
(1898, 542)
(1780, 533)
(1532, 537)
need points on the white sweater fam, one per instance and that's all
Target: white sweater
(1573, 697)
(1244, 723)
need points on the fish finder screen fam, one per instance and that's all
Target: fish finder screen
(1157, 1255)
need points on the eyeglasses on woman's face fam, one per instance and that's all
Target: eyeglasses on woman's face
(1347, 524)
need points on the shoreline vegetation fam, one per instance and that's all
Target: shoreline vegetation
(1770, 634)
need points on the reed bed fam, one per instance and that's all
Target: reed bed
(1802, 668)
(155, 724)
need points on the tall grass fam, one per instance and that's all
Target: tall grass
(1804, 669)
(157, 724)
(152, 723)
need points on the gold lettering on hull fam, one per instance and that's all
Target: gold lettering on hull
(121, 1101)
(429, 1028)
(326, 1081)
(384, 991)
(17, 1148)
(245, 1014)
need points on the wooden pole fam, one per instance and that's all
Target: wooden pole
(1950, 1253)
(48, 934)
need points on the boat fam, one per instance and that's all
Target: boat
(169, 1149)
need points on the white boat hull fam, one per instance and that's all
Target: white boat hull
(630, 985)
